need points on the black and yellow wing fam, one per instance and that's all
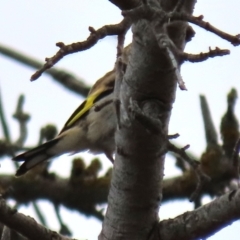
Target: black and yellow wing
(84, 108)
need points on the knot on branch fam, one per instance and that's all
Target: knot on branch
(149, 115)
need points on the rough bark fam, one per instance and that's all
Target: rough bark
(204, 221)
(147, 92)
(26, 225)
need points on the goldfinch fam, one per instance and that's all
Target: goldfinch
(86, 129)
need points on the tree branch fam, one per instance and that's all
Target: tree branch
(146, 94)
(25, 225)
(83, 191)
(78, 194)
(204, 221)
(217, 52)
(234, 40)
(63, 77)
(22, 119)
(95, 36)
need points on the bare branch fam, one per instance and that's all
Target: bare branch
(7, 146)
(63, 227)
(63, 77)
(173, 136)
(151, 124)
(210, 131)
(94, 37)
(25, 225)
(201, 176)
(80, 193)
(217, 52)
(234, 40)
(4, 122)
(229, 125)
(148, 12)
(180, 81)
(204, 221)
(22, 119)
(39, 214)
(85, 187)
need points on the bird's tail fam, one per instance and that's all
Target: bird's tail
(35, 156)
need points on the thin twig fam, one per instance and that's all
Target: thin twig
(63, 77)
(175, 64)
(95, 36)
(152, 124)
(63, 227)
(217, 52)
(6, 131)
(210, 131)
(201, 176)
(229, 126)
(163, 40)
(173, 136)
(4, 122)
(145, 11)
(234, 40)
(39, 214)
(22, 119)
(165, 43)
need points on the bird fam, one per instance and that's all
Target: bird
(86, 129)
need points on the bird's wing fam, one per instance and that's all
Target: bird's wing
(86, 106)
(107, 81)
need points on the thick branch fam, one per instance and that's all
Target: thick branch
(25, 225)
(81, 196)
(204, 221)
(147, 93)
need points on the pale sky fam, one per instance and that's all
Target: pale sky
(33, 27)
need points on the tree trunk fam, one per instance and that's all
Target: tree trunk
(147, 93)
